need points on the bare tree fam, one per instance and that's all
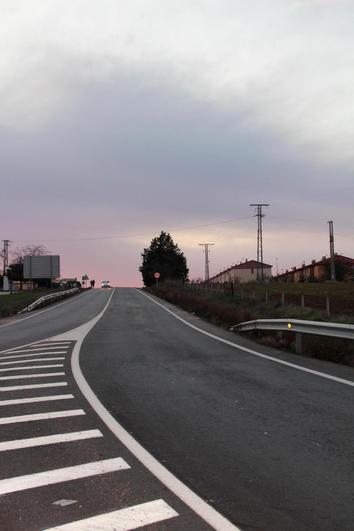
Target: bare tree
(33, 250)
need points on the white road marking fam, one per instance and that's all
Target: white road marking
(29, 367)
(36, 349)
(192, 500)
(31, 361)
(64, 503)
(250, 351)
(59, 344)
(124, 519)
(60, 475)
(50, 439)
(52, 343)
(34, 399)
(42, 416)
(34, 386)
(37, 375)
(16, 357)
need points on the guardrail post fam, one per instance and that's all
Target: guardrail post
(328, 306)
(266, 296)
(298, 342)
(282, 298)
(302, 301)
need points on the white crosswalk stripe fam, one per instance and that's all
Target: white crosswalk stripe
(8, 388)
(29, 367)
(124, 519)
(67, 435)
(31, 360)
(34, 399)
(37, 375)
(50, 439)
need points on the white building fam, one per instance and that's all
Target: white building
(244, 272)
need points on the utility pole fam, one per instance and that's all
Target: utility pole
(5, 255)
(259, 214)
(331, 248)
(206, 252)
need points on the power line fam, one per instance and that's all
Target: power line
(129, 235)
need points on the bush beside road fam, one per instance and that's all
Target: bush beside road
(225, 310)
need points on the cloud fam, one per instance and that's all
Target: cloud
(288, 70)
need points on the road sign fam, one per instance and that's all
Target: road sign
(157, 275)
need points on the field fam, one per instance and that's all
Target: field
(11, 304)
(331, 299)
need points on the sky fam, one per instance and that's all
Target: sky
(121, 119)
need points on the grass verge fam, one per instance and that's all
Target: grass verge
(223, 310)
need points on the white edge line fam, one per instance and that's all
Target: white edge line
(43, 311)
(250, 351)
(184, 493)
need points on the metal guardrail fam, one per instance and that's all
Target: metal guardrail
(49, 298)
(299, 327)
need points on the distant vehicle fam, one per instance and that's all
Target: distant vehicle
(105, 284)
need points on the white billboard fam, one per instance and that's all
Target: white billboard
(35, 267)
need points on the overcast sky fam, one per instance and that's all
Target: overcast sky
(121, 119)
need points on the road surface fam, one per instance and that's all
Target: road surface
(268, 445)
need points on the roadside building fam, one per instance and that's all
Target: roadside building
(243, 272)
(319, 271)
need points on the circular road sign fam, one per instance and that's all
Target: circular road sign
(157, 275)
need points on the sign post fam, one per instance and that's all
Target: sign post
(157, 276)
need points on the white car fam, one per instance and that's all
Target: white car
(105, 284)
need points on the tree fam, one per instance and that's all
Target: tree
(165, 257)
(18, 258)
(32, 250)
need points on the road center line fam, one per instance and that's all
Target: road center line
(42, 416)
(59, 475)
(49, 439)
(250, 351)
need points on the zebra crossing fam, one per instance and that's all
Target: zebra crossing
(54, 449)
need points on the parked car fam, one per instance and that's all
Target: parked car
(105, 284)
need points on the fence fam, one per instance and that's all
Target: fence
(263, 294)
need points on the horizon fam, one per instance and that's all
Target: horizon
(118, 121)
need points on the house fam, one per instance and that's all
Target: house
(319, 271)
(243, 272)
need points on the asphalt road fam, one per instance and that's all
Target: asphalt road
(269, 446)
(61, 468)
(52, 320)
